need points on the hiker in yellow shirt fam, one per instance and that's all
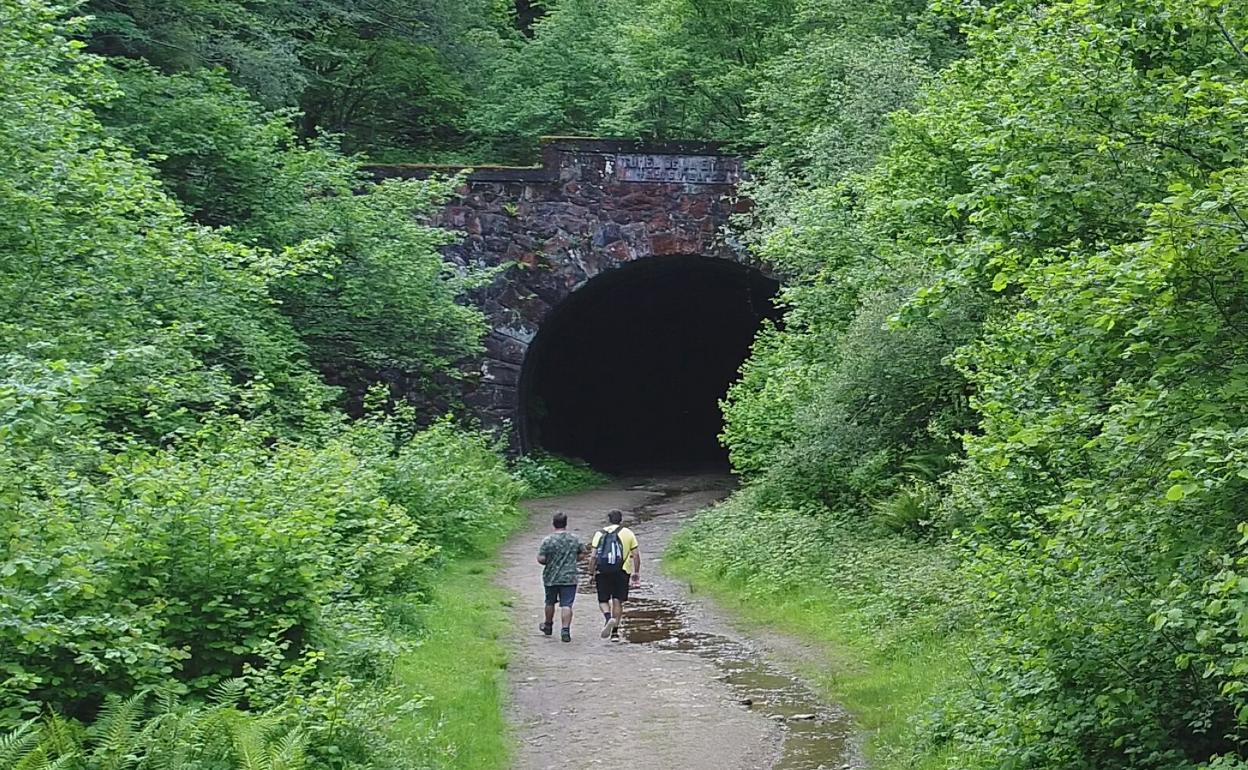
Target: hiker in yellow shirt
(615, 562)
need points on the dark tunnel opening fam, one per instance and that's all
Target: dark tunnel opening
(627, 373)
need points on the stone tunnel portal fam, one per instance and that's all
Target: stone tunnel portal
(607, 340)
(628, 371)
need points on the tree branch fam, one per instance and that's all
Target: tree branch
(1226, 33)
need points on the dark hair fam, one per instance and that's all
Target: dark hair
(560, 520)
(615, 517)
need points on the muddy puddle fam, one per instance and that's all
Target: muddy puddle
(816, 737)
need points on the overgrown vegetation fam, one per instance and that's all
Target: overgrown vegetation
(1003, 415)
(546, 475)
(1014, 341)
(189, 524)
(884, 609)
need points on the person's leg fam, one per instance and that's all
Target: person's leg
(604, 596)
(567, 595)
(548, 625)
(616, 610)
(620, 595)
(617, 604)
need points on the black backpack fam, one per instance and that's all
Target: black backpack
(609, 555)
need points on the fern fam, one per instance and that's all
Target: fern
(116, 731)
(175, 737)
(289, 752)
(40, 760)
(928, 466)
(911, 510)
(36, 759)
(18, 743)
(229, 692)
(62, 737)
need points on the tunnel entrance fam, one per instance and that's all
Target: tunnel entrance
(627, 373)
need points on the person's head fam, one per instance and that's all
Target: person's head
(560, 520)
(615, 517)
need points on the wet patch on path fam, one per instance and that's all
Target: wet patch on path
(816, 737)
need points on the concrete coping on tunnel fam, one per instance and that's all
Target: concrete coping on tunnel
(553, 150)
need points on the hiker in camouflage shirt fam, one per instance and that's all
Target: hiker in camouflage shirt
(558, 554)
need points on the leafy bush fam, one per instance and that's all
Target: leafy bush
(184, 563)
(835, 423)
(180, 509)
(98, 266)
(1053, 239)
(373, 294)
(384, 75)
(546, 475)
(455, 486)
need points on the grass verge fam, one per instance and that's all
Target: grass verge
(459, 668)
(886, 676)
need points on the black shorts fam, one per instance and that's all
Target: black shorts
(612, 585)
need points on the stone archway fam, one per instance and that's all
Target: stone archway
(591, 207)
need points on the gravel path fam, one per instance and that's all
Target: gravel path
(597, 703)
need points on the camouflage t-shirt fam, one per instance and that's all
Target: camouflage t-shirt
(562, 549)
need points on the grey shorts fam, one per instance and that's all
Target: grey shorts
(565, 595)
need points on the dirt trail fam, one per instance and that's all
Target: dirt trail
(683, 689)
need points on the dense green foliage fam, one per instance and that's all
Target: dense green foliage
(692, 69)
(182, 509)
(386, 75)
(1019, 333)
(1005, 404)
(371, 293)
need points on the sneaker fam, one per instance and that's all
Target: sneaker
(615, 634)
(565, 635)
(610, 628)
(545, 628)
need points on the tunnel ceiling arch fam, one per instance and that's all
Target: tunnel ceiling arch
(628, 372)
(590, 208)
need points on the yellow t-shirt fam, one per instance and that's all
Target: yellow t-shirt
(627, 540)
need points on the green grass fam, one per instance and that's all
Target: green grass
(885, 676)
(460, 668)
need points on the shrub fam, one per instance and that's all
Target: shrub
(455, 486)
(183, 563)
(546, 475)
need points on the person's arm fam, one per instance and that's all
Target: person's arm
(636, 557)
(541, 554)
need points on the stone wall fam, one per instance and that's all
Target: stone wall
(591, 206)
